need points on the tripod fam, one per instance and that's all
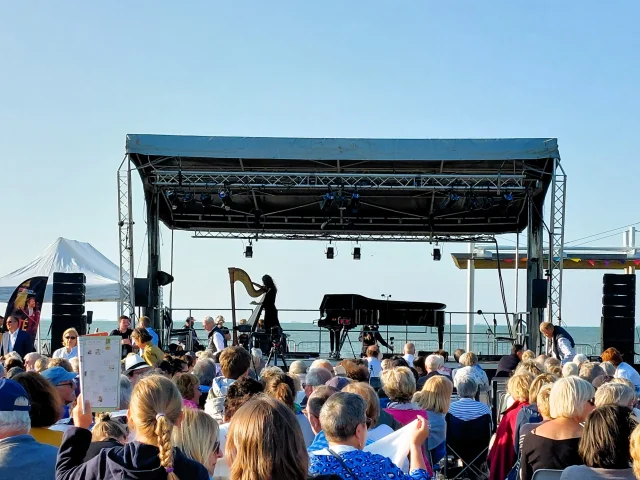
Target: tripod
(277, 347)
(345, 336)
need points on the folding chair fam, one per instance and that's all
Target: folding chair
(498, 391)
(467, 447)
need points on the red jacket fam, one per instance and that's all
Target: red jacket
(502, 456)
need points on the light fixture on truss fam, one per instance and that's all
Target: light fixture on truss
(437, 254)
(248, 251)
(330, 252)
(224, 194)
(357, 254)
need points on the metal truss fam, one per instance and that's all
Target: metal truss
(181, 179)
(556, 243)
(125, 224)
(350, 237)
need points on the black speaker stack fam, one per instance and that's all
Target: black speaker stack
(617, 328)
(67, 310)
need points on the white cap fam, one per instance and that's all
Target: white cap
(134, 362)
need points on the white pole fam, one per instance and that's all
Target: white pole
(517, 263)
(470, 297)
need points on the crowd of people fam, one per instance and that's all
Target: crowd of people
(221, 412)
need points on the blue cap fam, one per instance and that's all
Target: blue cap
(10, 391)
(57, 375)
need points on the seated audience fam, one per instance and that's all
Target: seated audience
(205, 370)
(321, 363)
(376, 429)
(257, 362)
(570, 369)
(544, 409)
(315, 378)
(21, 456)
(373, 361)
(60, 362)
(65, 384)
(635, 451)
(589, 371)
(299, 393)
(399, 384)
(419, 364)
(509, 363)
(409, 352)
(30, 360)
(46, 407)
(529, 367)
(432, 364)
(189, 387)
(316, 401)
(608, 368)
(41, 364)
(75, 364)
(69, 347)
(234, 363)
(579, 359)
(238, 394)
(339, 382)
(551, 362)
(604, 446)
(344, 421)
(106, 433)
(135, 367)
(530, 413)
(554, 444)
(470, 367)
(467, 408)
(444, 370)
(435, 398)
(197, 437)
(615, 394)
(148, 350)
(356, 371)
(528, 356)
(623, 369)
(156, 407)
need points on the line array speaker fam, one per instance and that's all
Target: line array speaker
(617, 327)
(67, 310)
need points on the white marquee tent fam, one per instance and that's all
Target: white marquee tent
(70, 256)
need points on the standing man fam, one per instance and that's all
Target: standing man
(124, 331)
(409, 353)
(15, 339)
(144, 322)
(562, 345)
(369, 336)
(216, 342)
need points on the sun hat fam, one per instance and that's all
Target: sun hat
(10, 391)
(134, 362)
(57, 375)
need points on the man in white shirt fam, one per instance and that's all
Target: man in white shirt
(373, 363)
(409, 353)
(217, 343)
(561, 345)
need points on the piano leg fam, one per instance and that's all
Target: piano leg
(441, 337)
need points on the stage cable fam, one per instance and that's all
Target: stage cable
(504, 298)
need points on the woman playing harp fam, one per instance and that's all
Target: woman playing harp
(269, 303)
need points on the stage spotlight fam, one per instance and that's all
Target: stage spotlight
(330, 253)
(508, 197)
(248, 251)
(325, 224)
(224, 194)
(354, 204)
(471, 203)
(188, 198)
(206, 200)
(451, 198)
(173, 199)
(327, 201)
(356, 253)
(437, 254)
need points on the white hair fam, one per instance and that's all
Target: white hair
(570, 369)
(434, 362)
(579, 359)
(207, 320)
(615, 394)
(11, 355)
(17, 422)
(569, 396)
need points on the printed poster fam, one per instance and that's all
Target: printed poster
(100, 372)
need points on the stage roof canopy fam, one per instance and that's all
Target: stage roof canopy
(340, 188)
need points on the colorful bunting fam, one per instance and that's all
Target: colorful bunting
(592, 262)
(577, 260)
(508, 260)
(606, 263)
(636, 262)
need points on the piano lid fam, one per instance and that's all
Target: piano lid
(347, 301)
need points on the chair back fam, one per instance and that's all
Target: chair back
(498, 390)
(469, 439)
(546, 474)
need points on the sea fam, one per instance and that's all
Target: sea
(307, 337)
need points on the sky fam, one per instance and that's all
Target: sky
(77, 77)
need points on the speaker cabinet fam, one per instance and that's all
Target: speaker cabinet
(617, 327)
(67, 309)
(539, 293)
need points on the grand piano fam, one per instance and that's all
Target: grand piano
(348, 311)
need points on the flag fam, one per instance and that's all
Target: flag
(25, 304)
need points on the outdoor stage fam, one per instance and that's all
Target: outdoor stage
(332, 190)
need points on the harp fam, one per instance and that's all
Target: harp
(239, 275)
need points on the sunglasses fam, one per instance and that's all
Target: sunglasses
(216, 447)
(70, 338)
(66, 384)
(368, 422)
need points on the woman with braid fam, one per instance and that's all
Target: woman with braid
(155, 408)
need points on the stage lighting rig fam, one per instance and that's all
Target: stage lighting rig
(354, 203)
(173, 198)
(206, 200)
(508, 197)
(449, 200)
(248, 251)
(341, 200)
(356, 253)
(224, 194)
(327, 201)
(437, 254)
(188, 198)
(330, 253)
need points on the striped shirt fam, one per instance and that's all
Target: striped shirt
(467, 409)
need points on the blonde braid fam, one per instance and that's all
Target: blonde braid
(163, 434)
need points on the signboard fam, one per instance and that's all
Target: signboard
(100, 372)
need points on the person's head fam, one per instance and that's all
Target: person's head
(579, 359)
(572, 397)
(125, 392)
(315, 377)
(605, 438)
(399, 384)
(46, 404)
(234, 362)
(370, 396)
(466, 386)
(373, 351)
(528, 355)
(239, 393)
(321, 363)
(298, 367)
(612, 355)
(339, 382)
(385, 364)
(538, 382)
(469, 359)
(197, 437)
(144, 322)
(155, 409)
(41, 364)
(124, 323)
(409, 348)
(435, 396)
(135, 367)
(356, 371)
(530, 367)
(546, 329)
(205, 370)
(551, 362)
(615, 394)
(70, 338)
(317, 400)
(397, 361)
(433, 362)
(281, 387)
(12, 323)
(419, 365)
(624, 381)
(11, 360)
(518, 386)
(609, 368)
(208, 323)
(457, 354)
(268, 282)
(188, 386)
(589, 371)
(542, 401)
(570, 369)
(31, 302)
(107, 428)
(344, 419)
(635, 450)
(60, 362)
(14, 410)
(518, 350)
(540, 360)
(219, 321)
(141, 336)
(30, 360)
(443, 353)
(601, 380)
(75, 364)
(265, 442)
(63, 381)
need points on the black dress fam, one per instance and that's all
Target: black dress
(541, 452)
(270, 310)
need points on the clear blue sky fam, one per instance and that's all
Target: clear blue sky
(77, 76)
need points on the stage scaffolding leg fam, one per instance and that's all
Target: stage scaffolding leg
(125, 225)
(153, 265)
(556, 243)
(471, 286)
(535, 266)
